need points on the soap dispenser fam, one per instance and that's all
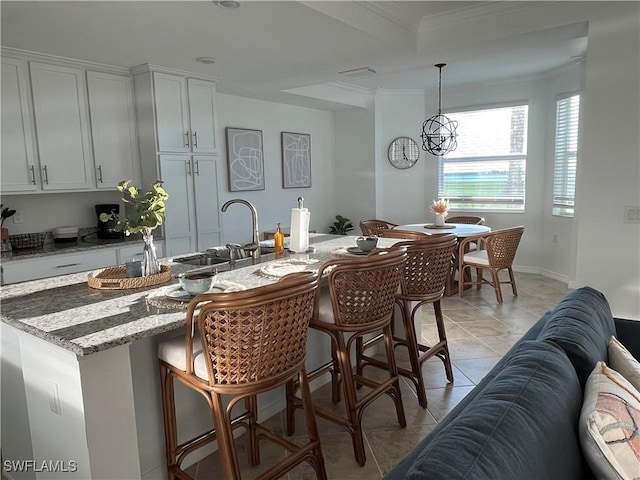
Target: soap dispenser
(278, 241)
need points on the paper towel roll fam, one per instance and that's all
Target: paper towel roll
(299, 238)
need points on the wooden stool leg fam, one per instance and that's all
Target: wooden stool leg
(414, 354)
(312, 426)
(224, 436)
(442, 335)
(351, 399)
(253, 448)
(291, 388)
(496, 285)
(513, 282)
(393, 370)
(169, 416)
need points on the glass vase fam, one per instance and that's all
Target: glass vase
(150, 265)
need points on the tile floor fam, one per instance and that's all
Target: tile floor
(479, 332)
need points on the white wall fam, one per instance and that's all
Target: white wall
(274, 203)
(608, 250)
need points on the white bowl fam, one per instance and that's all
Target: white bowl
(197, 282)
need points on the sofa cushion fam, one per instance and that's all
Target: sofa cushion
(621, 360)
(581, 324)
(609, 425)
(529, 411)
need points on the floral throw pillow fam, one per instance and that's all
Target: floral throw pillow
(609, 424)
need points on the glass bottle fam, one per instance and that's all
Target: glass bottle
(278, 241)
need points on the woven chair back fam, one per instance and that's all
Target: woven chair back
(363, 291)
(502, 245)
(467, 219)
(375, 227)
(407, 234)
(429, 263)
(260, 335)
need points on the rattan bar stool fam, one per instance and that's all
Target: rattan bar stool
(375, 226)
(428, 266)
(249, 342)
(467, 219)
(361, 300)
(496, 251)
(406, 234)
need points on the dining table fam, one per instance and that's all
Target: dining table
(460, 230)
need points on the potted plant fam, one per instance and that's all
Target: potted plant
(143, 213)
(341, 226)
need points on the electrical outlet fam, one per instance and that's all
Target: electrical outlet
(555, 238)
(17, 217)
(631, 214)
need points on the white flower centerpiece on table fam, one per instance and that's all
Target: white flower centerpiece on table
(441, 209)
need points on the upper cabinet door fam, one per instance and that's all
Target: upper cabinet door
(113, 130)
(60, 107)
(19, 169)
(202, 97)
(171, 113)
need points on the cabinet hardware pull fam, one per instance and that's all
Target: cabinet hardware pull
(67, 265)
(33, 174)
(188, 163)
(100, 173)
(195, 139)
(197, 167)
(186, 139)
(46, 174)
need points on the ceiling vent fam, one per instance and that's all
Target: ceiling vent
(358, 72)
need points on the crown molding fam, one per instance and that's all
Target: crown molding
(148, 67)
(487, 9)
(393, 12)
(31, 56)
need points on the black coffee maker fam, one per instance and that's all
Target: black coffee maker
(108, 229)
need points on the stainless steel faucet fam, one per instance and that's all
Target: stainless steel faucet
(254, 219)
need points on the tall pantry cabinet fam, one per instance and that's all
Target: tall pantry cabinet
(177, 133)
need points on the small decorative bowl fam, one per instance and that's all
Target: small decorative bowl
(367, 244)
(197, 282)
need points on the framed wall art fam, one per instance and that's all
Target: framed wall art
(296, 160)
(245, 159)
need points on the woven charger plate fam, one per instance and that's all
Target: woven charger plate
(115, 278)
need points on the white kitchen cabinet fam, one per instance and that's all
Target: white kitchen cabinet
(54, 265)
(185, 114)
(63, 139)
(113, 129)
(192, 213)
(19, 172)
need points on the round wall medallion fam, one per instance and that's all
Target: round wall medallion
(403, 153)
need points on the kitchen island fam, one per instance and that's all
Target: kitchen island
(80, 371)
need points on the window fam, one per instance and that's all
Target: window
(566, 155)
(487, 170)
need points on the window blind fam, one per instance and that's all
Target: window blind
(488, 169)
(566, 155)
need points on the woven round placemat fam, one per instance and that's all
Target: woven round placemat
(115, 278)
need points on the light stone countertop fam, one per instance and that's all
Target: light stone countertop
(65, 311)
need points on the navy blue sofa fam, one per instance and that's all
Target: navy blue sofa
(521, 421)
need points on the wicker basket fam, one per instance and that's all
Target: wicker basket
(27, 240)
(115, 278)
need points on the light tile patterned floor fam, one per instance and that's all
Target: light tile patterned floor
(479, 331)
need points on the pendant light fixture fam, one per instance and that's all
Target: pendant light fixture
(439, 132)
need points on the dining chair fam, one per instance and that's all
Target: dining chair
(375, 226)
(426, 272)
(496, 251)
(407, 234)
(466, 219)
(360, 300)
(248, 342)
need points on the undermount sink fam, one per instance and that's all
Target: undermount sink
(202, 259)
